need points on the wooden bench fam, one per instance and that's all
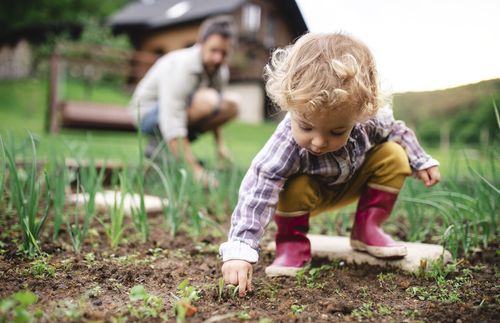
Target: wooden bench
(90, 115)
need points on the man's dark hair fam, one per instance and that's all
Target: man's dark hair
(220, 25)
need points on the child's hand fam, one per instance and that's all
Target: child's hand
(429, 176)
(238, 272)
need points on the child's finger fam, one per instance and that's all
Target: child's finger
(250, 273)
(233, 277)
(243, 282)
(435, 175)
(424, 177)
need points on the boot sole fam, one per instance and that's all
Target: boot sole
(379, 252)
(275, 271)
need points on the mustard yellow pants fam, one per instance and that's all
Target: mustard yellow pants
(385, 168)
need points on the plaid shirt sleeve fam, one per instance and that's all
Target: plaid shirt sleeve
(385, 128)
(259, 194)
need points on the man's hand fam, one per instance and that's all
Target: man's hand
(224, 154)
(430, 176)
(202, 176)
(238, 272)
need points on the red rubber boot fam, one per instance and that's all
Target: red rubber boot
(374, 208)
(293, 248)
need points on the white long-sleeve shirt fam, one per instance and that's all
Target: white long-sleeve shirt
(169, 83)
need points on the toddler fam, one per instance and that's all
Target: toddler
(336, 145)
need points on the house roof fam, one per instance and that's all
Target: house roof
(151, 14)
(162, 13)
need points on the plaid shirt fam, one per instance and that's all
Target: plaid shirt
(281, 157)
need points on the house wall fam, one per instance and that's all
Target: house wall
(164, 41)
(15, 62)
(251, 100)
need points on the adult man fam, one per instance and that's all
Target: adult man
(182, 93)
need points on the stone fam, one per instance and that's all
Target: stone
(419, 257)
(105, 201)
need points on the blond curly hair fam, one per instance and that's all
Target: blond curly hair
(324, 72)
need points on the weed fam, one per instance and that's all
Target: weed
(365, 311)
(94, 292)
(386, 281)
(244, 315)
(183, 304)
(309, 276)
(70, 310)
(364, 291)
(297, 309)
(16, 307)
(269, 290)
(89, 259)
(445, 290)
(40, 268)
(220, 288)
(145, 305)
(384, 310)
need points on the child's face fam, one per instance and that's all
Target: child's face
(322, 132)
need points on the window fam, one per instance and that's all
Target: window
(251, 18)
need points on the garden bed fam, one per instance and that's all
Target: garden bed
(101, 284)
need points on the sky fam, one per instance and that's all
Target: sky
(419, 45)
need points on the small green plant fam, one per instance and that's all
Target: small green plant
(114, 229)
(26, 196)
(16, 308)
(58, 180)
(177, 202)
(89, 181)
(89, 259)
(145, 305)
(94, 292)
(3, 170)
(309, 276)
(244, 315)
(68, 309)
(40, 268)
(184, 302)
(386, 281)
(297, 309)
(445, 290)
(363, 312)
(269, 291)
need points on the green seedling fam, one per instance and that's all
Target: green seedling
(26, 197)
(89, 181)
(40, 268)
(114, 229)
(297, 309)
(144, 304)
(309, 276)
(363, 312)
(16, 308)
(183, 303)
(244, 315)
(3, 170)
(70, 310)
(58, 180)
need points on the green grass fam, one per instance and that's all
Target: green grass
(23, 105)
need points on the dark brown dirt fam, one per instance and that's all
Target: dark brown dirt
(95, 284)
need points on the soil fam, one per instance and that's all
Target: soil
(94, 285)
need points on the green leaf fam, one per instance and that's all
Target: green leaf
(137, 293)
(26, 298)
